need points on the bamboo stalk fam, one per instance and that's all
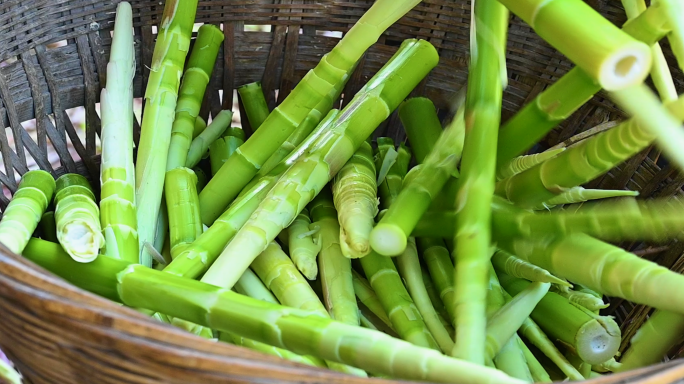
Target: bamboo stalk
(303, 249)
(183, 209)
(653, 340)
(584, 162)
(409, 268)
(22, 215)
(389, 237)
(223, 147)
(117, 175)
(334, 267)
(254, 102)
(170, 50)
(660, 71)
(77, 218)
(615, 272)
(473, 236)
(646, 109)
(201, 143)
(593, 338)
(191, 92)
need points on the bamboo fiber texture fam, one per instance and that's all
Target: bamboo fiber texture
(53, 58)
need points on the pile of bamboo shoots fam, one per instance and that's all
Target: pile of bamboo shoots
(453, 257)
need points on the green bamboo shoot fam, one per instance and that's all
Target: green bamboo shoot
(77, 218)
(503, 324)
(278, 273)
(486, 80)
(170, 50)
(615, 59)
(390, 184)
(254, 102)
(607, 366)
(437, 303)
(48, 227)
(660, 70)
(409, 268)
(522, 163)
(304, 128)
(675, 18)
(270, 350)
(403, 313)
(389, 236)
(183, 209)
(195, 79)
(436, 256)
(511, 360)
(510, 356)
(356, 201)
(653, 340)
(582, 163)
(221, 149)
(513, 266)
(537, 371)
(195, 260)
(644, 106)
(422, 126)
(585, 300)
(201, 143)
(303, 248)
(602, 267)
(385, 156)
(22, 215)
(627, 219)
(306, 177)
(117, 175)
(200, 125)
(334, 267)
(364, 292)
(534, 334)
(593, 338)
(250, 285)
(579, 195)
(567, 94)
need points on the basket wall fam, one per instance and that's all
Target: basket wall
(53, 56)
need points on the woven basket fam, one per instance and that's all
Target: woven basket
(57, 333)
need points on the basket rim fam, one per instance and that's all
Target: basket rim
(24, 277)
(29, 277)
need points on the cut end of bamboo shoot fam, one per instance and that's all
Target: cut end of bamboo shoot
(626, 67)
(598, 340)
(81, 241)
(388, 240)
